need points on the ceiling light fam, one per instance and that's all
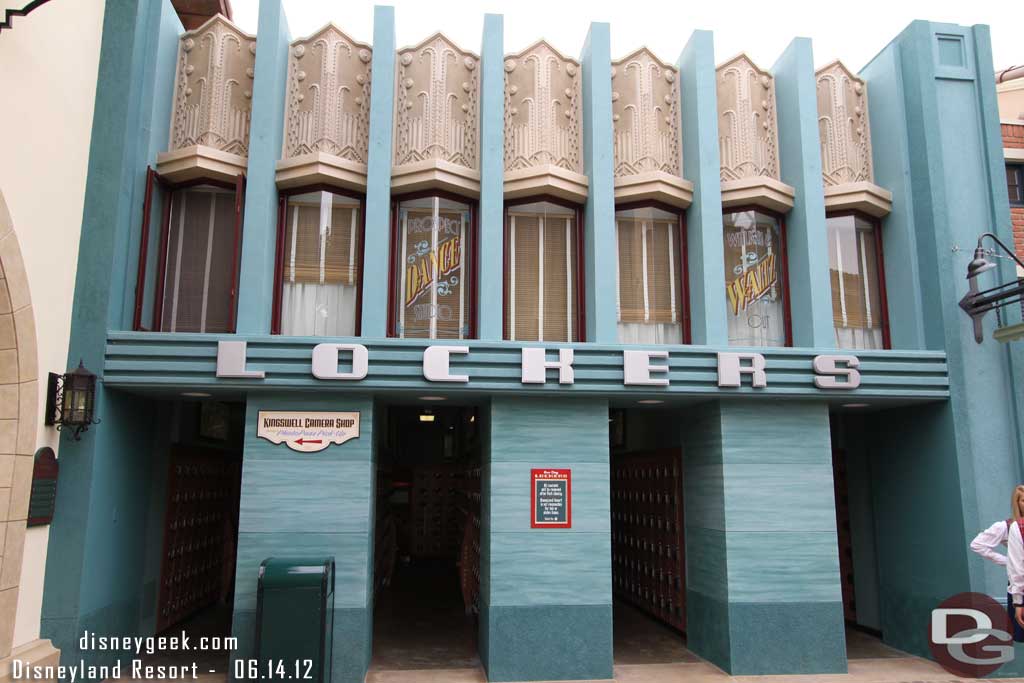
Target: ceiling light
(196, 394)
(856, 405)
(432, 398)
(651, 401)
(427, 418)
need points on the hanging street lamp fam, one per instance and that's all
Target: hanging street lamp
(977, 302)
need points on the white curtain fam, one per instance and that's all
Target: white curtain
(859, 337)
(314, 310)
(650, 333)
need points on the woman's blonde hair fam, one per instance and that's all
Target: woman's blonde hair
(1016, 507)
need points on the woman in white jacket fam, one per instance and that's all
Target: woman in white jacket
(1008, 532)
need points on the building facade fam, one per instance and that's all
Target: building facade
(676, 333)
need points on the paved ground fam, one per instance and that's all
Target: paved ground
(422, 635)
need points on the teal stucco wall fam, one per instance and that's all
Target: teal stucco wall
(762, 569)
(95, 568)
(310, 504)
(547, 593)
(761, 539)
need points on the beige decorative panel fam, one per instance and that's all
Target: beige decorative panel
(543, 110)
(747, 127)
(436, 107)
(843, 126)
(328, 106)
(645, 115)
(213, 88)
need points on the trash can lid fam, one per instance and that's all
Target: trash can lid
(297, 572)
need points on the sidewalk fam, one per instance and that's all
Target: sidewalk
(886, 670)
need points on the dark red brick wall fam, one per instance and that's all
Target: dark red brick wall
(1013, 135)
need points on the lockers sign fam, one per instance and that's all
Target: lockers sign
(551, 499)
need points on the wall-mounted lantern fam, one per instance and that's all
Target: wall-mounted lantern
(71, 399)
(976, 303)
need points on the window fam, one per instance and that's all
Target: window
(1014, 186)
(858, 294)
(651, 295)
(542, 288)
(198, 290)
(319, 253)
(432, 295)
(755, 281)
(188, 271)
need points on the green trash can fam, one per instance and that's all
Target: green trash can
(295, 618)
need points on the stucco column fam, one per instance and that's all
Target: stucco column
(702, 167)
(599, 244)
(546, 594)
(266, 131)
(492, 179)
(810, 290)
(378, 176)
(762, 566)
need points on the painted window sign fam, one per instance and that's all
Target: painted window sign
(753, 279)
(551, 499)
(433, 299)
(307, 432)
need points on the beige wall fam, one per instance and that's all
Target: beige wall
(48, 66)
(1011, 100)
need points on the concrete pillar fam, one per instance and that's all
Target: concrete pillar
(810, 290)
(702, 167)
(266, 131)
(762, 568)
(492, 179)
(546, 594)
(376, 247)
(309, 504)
(600, 247)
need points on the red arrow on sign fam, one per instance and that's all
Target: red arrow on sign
(301, 441)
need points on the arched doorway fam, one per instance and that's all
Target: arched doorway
(19, 407)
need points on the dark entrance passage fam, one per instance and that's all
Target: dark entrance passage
(854, 478)
(427, 545)
(191, 538)
(648, 551)
(200, 533)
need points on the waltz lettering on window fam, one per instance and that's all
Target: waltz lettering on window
(753, 284)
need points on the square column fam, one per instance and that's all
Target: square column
(702, 166)
(762, 564)
(600, 248)
(307, 504)
(266, 134)
(492, 178)
(377, 240)
(810, 291)
(546, 594)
